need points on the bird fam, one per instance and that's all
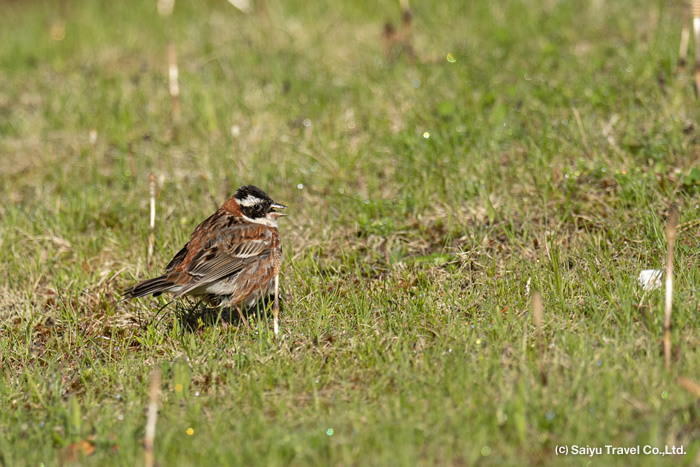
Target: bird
(233, 258)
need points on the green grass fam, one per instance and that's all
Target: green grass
(546, 153)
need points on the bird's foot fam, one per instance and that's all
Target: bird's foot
(245, 321)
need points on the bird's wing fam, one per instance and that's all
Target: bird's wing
(199, 234)
(224, 249)
(177, 259)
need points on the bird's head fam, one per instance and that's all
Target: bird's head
(257, 206)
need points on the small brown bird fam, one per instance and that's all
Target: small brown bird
(232, 259)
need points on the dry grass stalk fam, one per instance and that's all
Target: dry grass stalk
(696, 33)
(406, 16)
(152, 224)
(537, 319)
(396, 43)
(683, 51)
(154, 400)
(406, 30)
(165, 7)
(581, 130)
(243, 5)
(276, 307)
(384, 247)
(390, 38)
(537, 315)
(689, 385)
(174, 83)
(671, 232)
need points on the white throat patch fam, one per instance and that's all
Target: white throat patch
(262, 220)
(249, 201)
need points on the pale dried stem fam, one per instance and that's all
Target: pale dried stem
(276, 306)
(174, 83)
(152, 224)
(407, 29)
(537, 315)
(696, 33)
(165, 7)
(579, 123)
(671, 232)
(683, 51)
(154, 401)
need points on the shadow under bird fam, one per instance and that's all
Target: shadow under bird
(233, 258)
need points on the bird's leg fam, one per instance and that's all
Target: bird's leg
(276, 306)
(240, 313)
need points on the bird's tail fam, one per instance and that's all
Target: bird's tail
(154, 286)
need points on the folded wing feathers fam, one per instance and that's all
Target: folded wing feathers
(224, 258)
(177, 259)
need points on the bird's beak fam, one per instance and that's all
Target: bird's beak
(276, 214)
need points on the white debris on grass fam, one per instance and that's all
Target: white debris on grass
(650, 279)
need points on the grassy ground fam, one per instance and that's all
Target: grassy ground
(427, 196)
